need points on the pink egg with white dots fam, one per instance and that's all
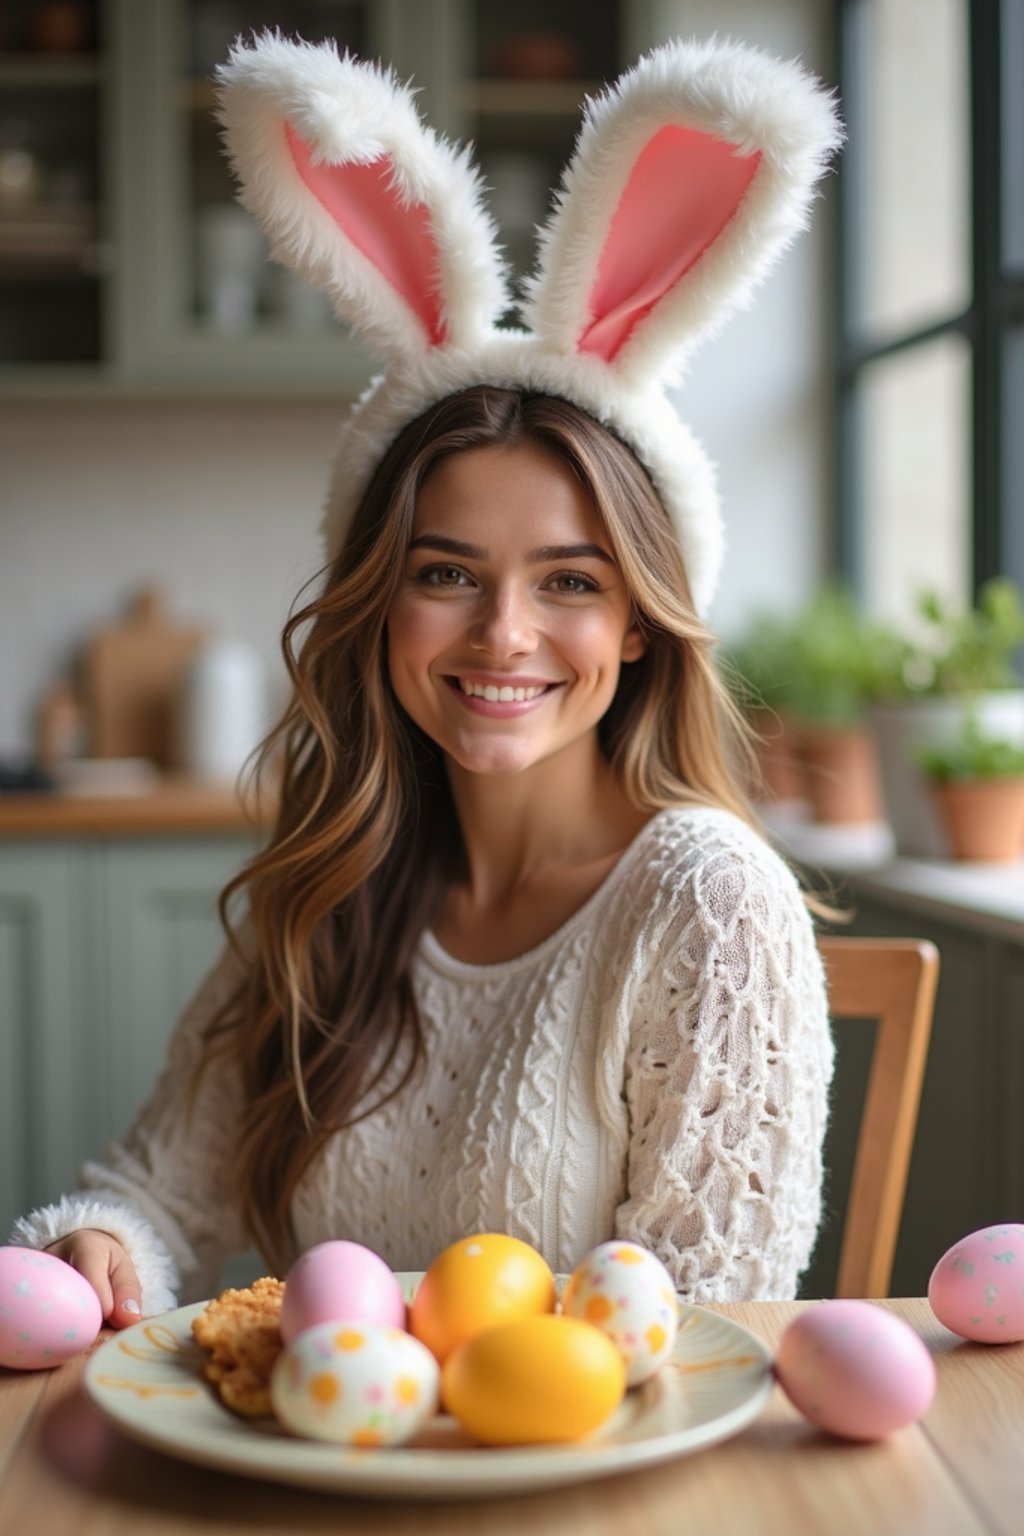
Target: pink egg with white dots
(977, 1287)
(355, 1383)
(48, 1311)
(626, 1292)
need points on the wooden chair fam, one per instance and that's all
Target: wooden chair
(892, 981)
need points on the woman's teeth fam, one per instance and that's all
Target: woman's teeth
(496, 695)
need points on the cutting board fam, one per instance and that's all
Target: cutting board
(134, 671)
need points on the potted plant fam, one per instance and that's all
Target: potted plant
(958, 667)
(816, 672)
(978, 784)
(757, 670)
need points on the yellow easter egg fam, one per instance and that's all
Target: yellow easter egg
(477, 1283)
(540, 1379)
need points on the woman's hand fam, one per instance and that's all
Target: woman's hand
(101, 1260)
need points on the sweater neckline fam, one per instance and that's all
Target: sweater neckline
(439, 959)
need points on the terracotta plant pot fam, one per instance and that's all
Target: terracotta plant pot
(779, 759)
(984, 817)
(841, 774)
(902, 731)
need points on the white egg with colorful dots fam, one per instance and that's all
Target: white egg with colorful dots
(355, 1383)
(977, 1287)
(626, 1292)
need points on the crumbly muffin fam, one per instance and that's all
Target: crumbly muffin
(241, 1331)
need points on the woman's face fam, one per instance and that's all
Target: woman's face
(511, 621)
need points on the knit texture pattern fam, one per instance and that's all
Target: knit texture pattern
(658, 1069)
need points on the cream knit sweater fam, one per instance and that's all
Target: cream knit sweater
(657, 1069)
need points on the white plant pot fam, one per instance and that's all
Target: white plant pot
(902, 731)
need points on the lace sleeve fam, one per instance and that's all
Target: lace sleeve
(165, 1192)
(727, 1074)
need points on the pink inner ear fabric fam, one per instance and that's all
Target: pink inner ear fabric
(396, 237)
(682, 192)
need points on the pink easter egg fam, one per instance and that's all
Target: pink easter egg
(855, 1370)
(977, 1287)
(48, 1311)
(340, 1280)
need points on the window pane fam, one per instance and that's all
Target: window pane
(1013, 454)
(909, 137)
(1013, 135)
(915, 422)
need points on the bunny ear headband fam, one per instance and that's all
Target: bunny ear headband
(690, 177)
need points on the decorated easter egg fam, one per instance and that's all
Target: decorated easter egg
(477, 1283)
(539, 1379)
(627, 1293)
(340, 1280)
(855, 1370)
(977, 1288)
(48, 1311)
(354, 1384)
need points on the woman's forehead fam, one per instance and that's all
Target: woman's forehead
(519, 492)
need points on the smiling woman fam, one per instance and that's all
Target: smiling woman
(515, 958)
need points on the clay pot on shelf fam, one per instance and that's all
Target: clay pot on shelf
(840, 774)
(983, 817)
(777, 744)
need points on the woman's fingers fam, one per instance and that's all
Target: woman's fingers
(100, 1259)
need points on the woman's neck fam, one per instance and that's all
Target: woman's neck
(547, 836)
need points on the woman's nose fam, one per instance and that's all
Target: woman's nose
(504, 625)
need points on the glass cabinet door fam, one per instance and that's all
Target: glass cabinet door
(53, 251)
(525, 69)
(201, 305)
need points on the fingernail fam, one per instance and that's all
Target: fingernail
(130, 1305)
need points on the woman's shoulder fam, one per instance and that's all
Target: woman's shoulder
(703, 859)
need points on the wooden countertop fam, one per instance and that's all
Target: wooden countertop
(177, 805)
(959, 1472)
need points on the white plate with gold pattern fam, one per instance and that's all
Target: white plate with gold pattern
(149, 1381)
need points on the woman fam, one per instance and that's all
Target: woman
(516, 957)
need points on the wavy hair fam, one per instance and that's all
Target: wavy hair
(322, 1021)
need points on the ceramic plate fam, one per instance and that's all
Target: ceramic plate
(149, 1381)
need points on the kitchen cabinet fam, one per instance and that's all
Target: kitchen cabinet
(125, 266)
(967, 1169)
(102, 942)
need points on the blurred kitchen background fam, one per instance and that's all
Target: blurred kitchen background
(168, 408)
(169, 401)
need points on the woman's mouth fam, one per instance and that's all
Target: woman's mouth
(495, 697)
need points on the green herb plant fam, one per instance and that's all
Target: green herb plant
(974, 754)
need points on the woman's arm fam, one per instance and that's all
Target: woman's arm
(165, 1194)
(727, 1077)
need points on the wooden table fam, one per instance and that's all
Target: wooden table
(64, 1471)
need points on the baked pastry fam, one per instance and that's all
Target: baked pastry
(240, 1329)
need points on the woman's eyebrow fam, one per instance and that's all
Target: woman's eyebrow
(540, 556)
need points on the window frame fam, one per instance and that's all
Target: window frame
(992, 324)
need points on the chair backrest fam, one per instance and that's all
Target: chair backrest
(892, 981)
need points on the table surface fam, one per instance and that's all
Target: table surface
(65, 1471)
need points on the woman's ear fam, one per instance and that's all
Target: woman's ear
(634, 643)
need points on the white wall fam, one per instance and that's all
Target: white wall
(220, 503)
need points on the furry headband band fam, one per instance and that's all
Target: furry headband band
(690, 177)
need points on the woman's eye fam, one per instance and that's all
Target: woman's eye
(573, 582)
(442, 575)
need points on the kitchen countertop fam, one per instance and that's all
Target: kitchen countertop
(175, 805)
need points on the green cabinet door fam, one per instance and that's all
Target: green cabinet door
(102, 942)
(161, 935)
(46, 1018)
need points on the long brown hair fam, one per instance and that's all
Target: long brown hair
(366, 838)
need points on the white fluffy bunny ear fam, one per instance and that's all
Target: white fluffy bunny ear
(690, 178)
(359, 197)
